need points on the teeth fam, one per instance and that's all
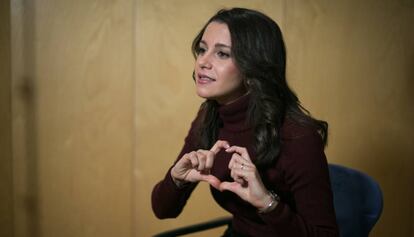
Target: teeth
(207, 78)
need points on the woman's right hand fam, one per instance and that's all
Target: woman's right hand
(195, 166)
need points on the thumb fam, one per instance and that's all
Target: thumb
(230, 186)
(212, 180)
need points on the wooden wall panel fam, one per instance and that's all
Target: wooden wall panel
(351, 62)
(6, 181)
(72, 117)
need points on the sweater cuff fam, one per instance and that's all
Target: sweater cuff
(173, 187)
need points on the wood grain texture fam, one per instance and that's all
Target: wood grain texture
(351, 64)
(6, 177)
(73, 126)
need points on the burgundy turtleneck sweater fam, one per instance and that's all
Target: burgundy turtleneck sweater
(300, 177)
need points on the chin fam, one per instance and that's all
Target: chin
(204, 94)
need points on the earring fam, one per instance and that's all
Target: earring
(247, 83)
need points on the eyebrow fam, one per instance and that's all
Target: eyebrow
(217, 45)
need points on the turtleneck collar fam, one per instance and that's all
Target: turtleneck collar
(234, 115)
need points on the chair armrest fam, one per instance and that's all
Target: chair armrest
(196, 227)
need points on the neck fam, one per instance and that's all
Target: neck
(234, 115)
(233, 100)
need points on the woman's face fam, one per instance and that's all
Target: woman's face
(216, 74)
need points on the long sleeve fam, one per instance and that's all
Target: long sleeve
(305, 172)
(167, 199)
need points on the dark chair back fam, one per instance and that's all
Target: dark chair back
(357, 199)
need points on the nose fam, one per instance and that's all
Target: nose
(204, 61)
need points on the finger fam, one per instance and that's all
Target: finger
(239, 180)
(231, 163)
(201, 157)
(184, 161)
(193, 158)
(239, 172)
(243, 173)
(209, 159)
(236, 165)
(236, 177)
(220, 144)
(212, 180)
(232, 187)
(242, 151)
(237, 162)
(180, 166)
(241, 176)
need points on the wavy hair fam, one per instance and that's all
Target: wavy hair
(260, 55)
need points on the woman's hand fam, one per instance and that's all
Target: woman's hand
(247, 183)
(195, 166)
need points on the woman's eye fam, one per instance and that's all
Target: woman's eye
(201, 50)
(222, 54)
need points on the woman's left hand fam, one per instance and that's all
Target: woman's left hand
(247, 183)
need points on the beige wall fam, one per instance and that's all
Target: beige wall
(6, 182)
(102, 97)
(72, 117)
(352, 64)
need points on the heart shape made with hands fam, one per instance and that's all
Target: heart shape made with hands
(239, 165)
(247, 182)
(195, 166)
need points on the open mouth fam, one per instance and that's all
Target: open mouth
(203, 79)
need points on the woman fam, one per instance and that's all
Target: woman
(260, 151)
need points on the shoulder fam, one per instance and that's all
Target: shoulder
(292, 130)
(301, 144)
